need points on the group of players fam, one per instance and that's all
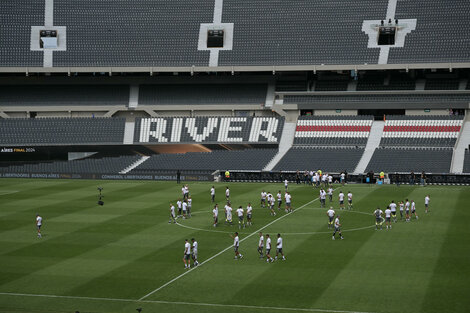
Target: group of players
(407, 210)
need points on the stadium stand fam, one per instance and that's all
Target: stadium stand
(300, 85)
(395, 99)
(326, 159)
(428, 131)
(376, 81)
(63, 95)
(17, 18)
(331, 85)
(466, 164)
(132, 32)
(209, 130)
(430, 160)
(59, 131)
(106, 165)
(250, 159)
(216, 94)
(442, 84)
(333, 130)
(137, 33)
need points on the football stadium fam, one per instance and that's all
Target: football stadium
(234, 156)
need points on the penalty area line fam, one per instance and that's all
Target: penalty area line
(223, 251)
(240, 306)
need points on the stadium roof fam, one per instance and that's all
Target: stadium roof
(166, 36)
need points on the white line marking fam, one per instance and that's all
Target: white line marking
(47, 59)
(214, 57)
(226, 249)
(185, 303)
(218, 7)
(49, 13)
(8, 192)
(383, 55)
(284, 233)
(391, 9)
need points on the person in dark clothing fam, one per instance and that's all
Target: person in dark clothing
(178, 176)
(297, 177)
(412, 178)
(423, 179)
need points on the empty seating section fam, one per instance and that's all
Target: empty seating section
(251, 159)
(396, 99)
(300, 32)
(326, 159)
(132, 32)
(63, 95)
(209, 130)
(162, 33)
(436, 37)
(107, 165)
(15, 32)
(58, 131)
(442, 84)
(217, 94)
(430, 160)
(381, 81)
(466, 163)
(300, 85)
(331, 85)
(333, 130)
(428, 131)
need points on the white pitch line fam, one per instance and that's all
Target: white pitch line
(185, 303)
(226, 249)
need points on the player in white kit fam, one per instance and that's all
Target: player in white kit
(322, 198)
(249, 214)
(241, 216)
(261, 245)
(330, 193)
(337, 228)
(279, 247)
(236, 246)
(378, 218)
(341, 200)
(213, 194)
(187, 254)
(288, 199)
(185, 208)
(268, 249)
(194, 253)
(172, 214)
(263, 199)
(215, 214)
(331, 215)
(402, 207)
(388, 216)
(413, 209)
(190, 204)
(426, 203)
(227, 194)
(179, 205)
(393, 209)
(279, 200)
(228, 212)
(350, 198)
(407, 210)
(38, 225)
(286, 185)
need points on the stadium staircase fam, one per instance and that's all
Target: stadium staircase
(129, 132)
(463, 141)
(373, 142)
(287, 139)
(134, 165)
(133, 96)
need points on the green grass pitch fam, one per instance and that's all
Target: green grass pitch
(104, 259)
